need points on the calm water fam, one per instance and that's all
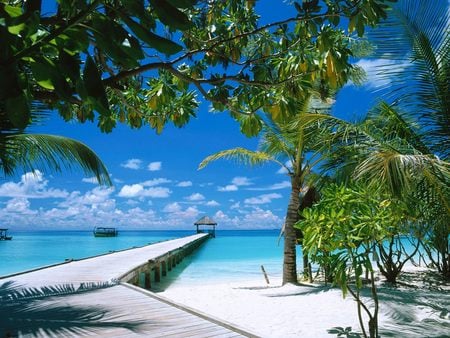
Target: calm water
(231, 255)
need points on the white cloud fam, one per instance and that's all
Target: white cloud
(376, 68)
(92, 180)
(31, 185)
(19, 205)
(241, 181)
(275, 186)
(138, 191)
(230, 187)
(212, 203)
(172, 207)
(195, 197)
(99, 197)
(236, 205)
(184, 184)
(133, 163)
(154, 166)
(283, 170)
(131, 190)
(258, 219)
(155, 181)
(262, 199)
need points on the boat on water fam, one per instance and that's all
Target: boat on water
(4, 235)
(105, 232)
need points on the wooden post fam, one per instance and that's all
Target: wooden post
(164, 268)
(265, 274)
(148, 283)
(141, 279)
(157, 274)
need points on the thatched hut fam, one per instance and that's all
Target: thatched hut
(206, 224)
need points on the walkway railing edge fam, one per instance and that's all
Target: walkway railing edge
(215, 320)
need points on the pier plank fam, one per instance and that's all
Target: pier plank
(114, 311)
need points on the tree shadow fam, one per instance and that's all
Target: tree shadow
(415, 312)
(36, 311)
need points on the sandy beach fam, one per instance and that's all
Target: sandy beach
(309, 311)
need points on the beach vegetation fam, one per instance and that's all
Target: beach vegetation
(402, 144)
(343, 232)
(143, 63)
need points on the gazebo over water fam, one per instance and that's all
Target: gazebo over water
(206, 224)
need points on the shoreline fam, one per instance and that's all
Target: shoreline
(277, 311)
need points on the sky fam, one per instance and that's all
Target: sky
(157, 185)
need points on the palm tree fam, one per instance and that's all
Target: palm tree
(415, 42)
(288, 144)
(20, 151)
(404, 145)
(30, 152)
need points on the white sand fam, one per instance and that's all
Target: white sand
(307, 311)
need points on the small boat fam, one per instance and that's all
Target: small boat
(105, 232)
(4, 236)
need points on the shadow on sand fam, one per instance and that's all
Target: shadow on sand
(44, 311)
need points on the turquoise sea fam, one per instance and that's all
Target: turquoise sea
(231, 255)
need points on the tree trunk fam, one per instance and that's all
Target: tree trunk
(292, 216)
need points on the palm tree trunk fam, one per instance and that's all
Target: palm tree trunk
(292, 216)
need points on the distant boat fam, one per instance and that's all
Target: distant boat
(105, 232)
(4, 236)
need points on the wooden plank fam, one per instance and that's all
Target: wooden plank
(123, 303)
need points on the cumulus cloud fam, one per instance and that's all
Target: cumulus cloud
(241, 181)
(154, 166)
(257, 218)
(184, 184)
(19, 205)
(195, 197)
(375, 68)
(262, 199)
(92, 180)
(133, 163)
(212, 203)
(155, 181)
(31, 185)
(172, 207)
(230, 187)
(236, 182)
(283, 170)
(138, 191)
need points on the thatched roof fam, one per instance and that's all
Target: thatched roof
(205, 220)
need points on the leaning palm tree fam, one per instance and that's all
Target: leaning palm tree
(415, 43)
(20, 152)
(414, 163)
(288, 144)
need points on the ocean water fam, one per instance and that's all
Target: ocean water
(29, 250)
(231, 255)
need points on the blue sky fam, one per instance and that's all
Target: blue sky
(156, 181)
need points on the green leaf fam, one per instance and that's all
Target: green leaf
(159, 43)
(94, 86)
(182, 3)
(170, 15)
(13, 11)
(41, 73)
(18, 111)
(251, 124)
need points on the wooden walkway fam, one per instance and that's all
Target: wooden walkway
(84, 305)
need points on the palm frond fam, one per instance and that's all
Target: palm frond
(400, 172)
(416, 41)
(49, 152)
(242, 156)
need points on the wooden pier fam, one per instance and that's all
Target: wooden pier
(106, 296)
